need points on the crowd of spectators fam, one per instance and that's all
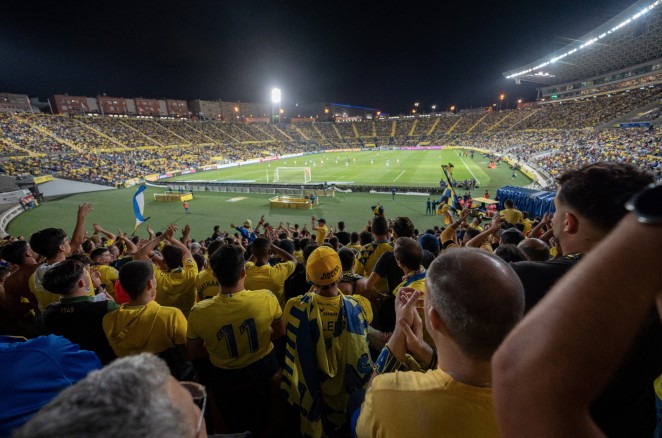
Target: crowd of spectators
(110, 150)
(277, 329)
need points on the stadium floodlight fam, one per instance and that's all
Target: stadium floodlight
(275, 100)
(590, 42)
(275, 95)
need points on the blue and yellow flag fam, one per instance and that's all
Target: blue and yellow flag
(319, 379)
(139, 206)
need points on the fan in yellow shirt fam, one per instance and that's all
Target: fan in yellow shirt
(235, 330)
(175, 281)
(322, 230)
(261, 275)
(142, 325)
(510, 213)
(108, 275)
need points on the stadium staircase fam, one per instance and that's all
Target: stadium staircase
(434, 126)
(635, 116)
(211, 140)
(374, 129)
(185, 141)
(525, 118)
(154, 142)
(490, 128)
(101, 134)
(10, 143)
(298, 131)
(272, 138)
(335, 128)
(393, 128)
(413, 128)
(53, 136)
(222, 132)
(316, 129)
(356, 131)
(477, 123)
(454, 125)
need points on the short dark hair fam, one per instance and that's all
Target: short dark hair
(227, 263)
(172, 256)
(346, 258)
(510, 253)
(83, 258)
(341, 225)
(403, 227)
(599, 191)
(98, 252)
(478, 310)
(62, 277)
(134, 276)
(354, 237)
(211, 249)
(47, 242)
(470, 233)
(508, 203)
(308, 250)
(512, 236)
(286, 245)
(365, 237)
(408, 252)
(199, 260)
(87, 246)
(261, 246)
(15, 252)
(379, 225)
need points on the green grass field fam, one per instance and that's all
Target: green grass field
(406, 168)
(113, 208)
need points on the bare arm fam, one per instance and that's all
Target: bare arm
(477, 241)
(131, 247)
(370, 284)
(284, 255)
(552, 398)
(110, 236)
(78, 236)
(144, 252)
(546, 220)
(151, 232)
(186, 254)
(449, 232)
(186, 235)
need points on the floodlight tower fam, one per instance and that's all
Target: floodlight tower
(275, 100)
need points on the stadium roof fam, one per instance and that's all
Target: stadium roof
(632, 37)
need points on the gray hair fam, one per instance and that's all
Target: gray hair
(478, 296)
(126, 398)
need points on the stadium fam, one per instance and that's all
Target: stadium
(208, 163)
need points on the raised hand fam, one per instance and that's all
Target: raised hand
(84, 209)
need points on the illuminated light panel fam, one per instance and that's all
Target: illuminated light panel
(589, 42)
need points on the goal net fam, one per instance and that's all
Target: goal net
(296, 175)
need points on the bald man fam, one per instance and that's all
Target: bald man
(534, 249)
(467, 321)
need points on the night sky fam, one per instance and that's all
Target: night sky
(384, 55)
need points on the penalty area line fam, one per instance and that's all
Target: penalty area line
(398, 177)
(465, 165)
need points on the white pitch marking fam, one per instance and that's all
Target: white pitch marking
(397, 177)
(465, 165)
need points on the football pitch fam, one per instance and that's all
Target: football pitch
(378, 168)
(113, 209)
